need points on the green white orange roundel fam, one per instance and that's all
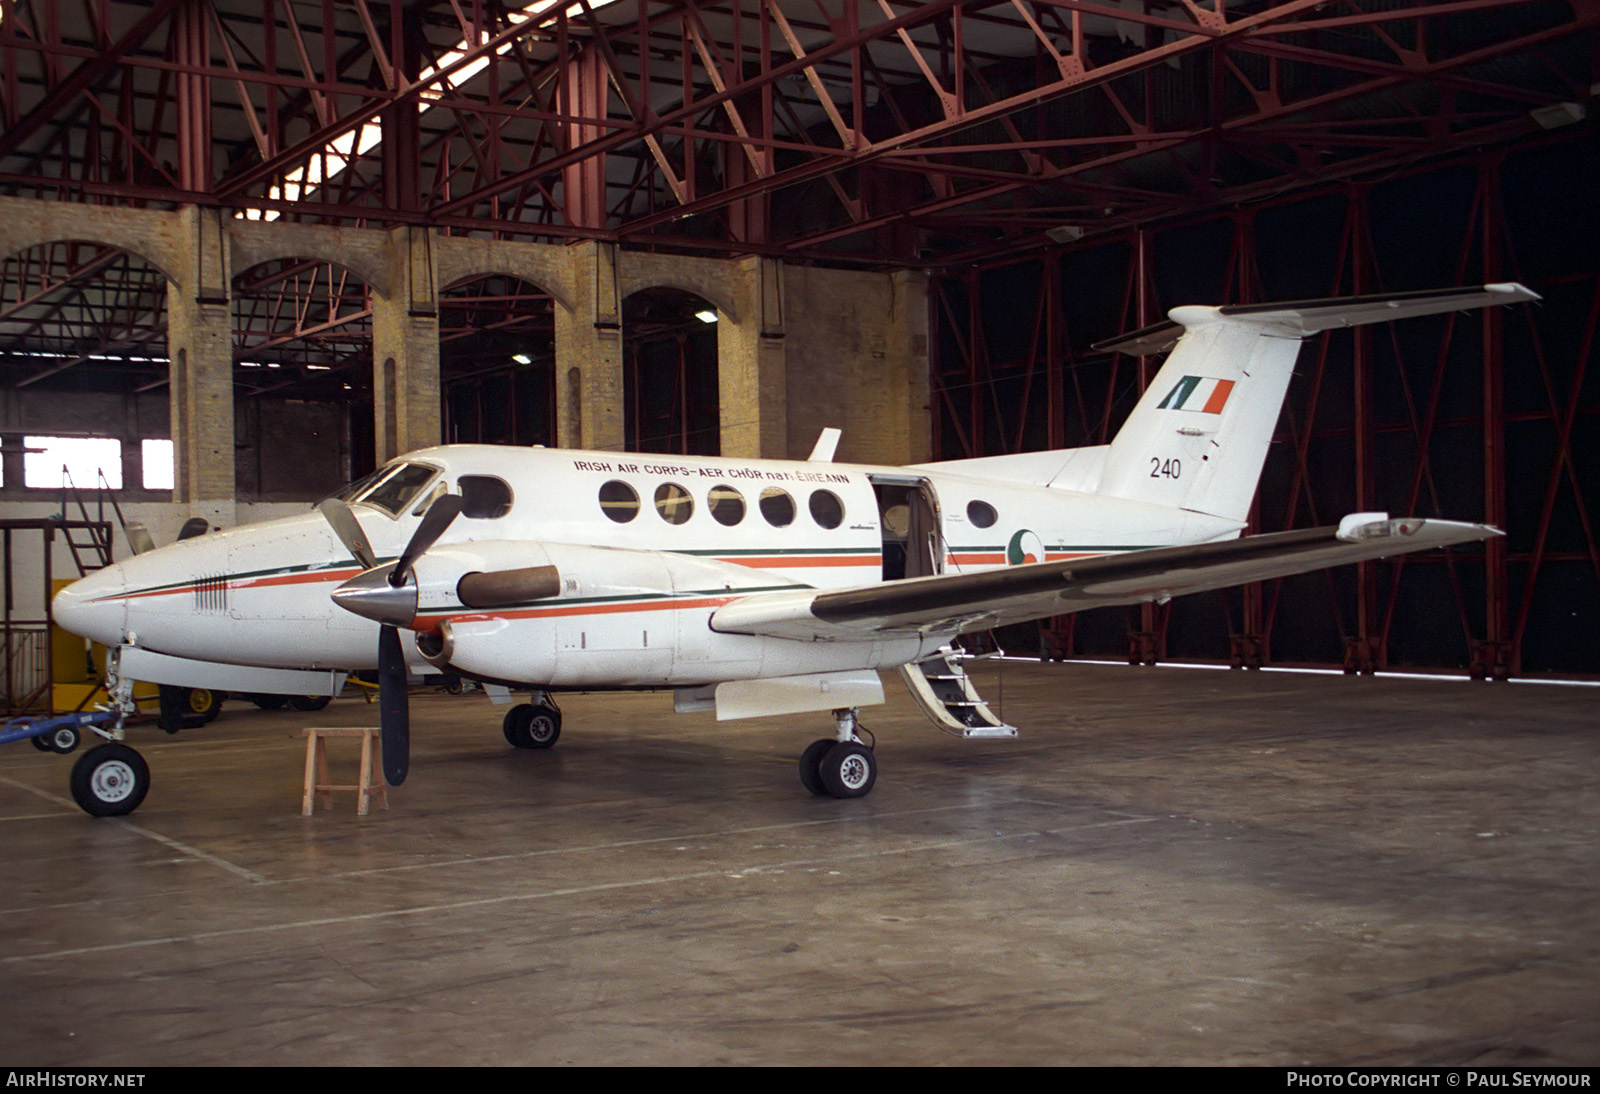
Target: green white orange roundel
(1025, 547)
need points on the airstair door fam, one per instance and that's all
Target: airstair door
(908, 517)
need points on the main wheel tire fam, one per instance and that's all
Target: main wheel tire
(849, 770)
(515, 725)
(110, 780)
(811, 765)
(532, 726)
(270, 702)
(544, 728)
(309, 702)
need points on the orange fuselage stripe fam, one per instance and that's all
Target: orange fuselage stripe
(433, 619)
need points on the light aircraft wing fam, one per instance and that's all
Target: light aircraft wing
(956, 603)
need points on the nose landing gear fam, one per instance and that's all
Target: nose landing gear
(110, 780)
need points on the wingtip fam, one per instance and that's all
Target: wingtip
(1513, 288)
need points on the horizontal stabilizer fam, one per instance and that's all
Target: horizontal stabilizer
(951, 604)
(1299, 318)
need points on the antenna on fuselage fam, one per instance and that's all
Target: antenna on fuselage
(827, 444)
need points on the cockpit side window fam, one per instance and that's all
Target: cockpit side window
(350, 493)
(484, 497)
(394, 491)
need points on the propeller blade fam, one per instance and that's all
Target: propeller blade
(394, 713)
(348, 529)
(438, 517)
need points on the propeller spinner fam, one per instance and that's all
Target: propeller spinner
(388, 594)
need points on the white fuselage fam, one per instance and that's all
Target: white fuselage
(647, 548)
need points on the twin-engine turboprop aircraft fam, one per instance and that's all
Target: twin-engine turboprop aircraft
(749, 587)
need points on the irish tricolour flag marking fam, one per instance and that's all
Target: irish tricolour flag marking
(1201, 394)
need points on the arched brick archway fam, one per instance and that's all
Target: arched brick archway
(670, 381)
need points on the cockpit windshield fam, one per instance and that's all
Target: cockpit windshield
(390, 488)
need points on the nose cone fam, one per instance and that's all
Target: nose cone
(94, 606)
(371, 596)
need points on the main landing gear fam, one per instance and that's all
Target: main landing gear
(843, 766)
(533, 725)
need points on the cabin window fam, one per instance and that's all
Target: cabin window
(777, 507)
(726, 504)
(484, 497)
(826, 508)
(981, 514)
(619, 501)
(396, 490)
(674, 503)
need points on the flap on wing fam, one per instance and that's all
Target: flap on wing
(954, 603)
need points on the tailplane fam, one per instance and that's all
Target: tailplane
(1198, 437)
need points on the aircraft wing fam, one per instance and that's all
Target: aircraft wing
(956, 603)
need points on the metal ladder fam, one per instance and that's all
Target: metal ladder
(943, 690)
(89, 538)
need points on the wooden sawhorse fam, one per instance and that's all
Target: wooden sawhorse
(370, 783)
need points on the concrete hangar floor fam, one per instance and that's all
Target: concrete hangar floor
(1171, 866)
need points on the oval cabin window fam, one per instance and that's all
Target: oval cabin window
(826, 508)
(726, 504)
(981, 514)
(619, 501)
(777, 506)
(674, 503)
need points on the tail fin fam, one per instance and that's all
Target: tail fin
(1198, 437)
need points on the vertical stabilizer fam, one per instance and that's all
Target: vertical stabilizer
(1198, 438)
(1199, 435)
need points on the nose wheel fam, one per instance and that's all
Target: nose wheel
(840, 767)
(110, 780)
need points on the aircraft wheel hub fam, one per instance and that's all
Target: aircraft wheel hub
(113, 781)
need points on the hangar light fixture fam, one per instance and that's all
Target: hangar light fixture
(1557, 115)
(706, 315)
(522, 359)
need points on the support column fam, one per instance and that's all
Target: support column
(405, 349)
(589, 393)
(752, 377)
(200, 347)
(908, 347)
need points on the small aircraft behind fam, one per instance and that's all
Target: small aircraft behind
(750, 587)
